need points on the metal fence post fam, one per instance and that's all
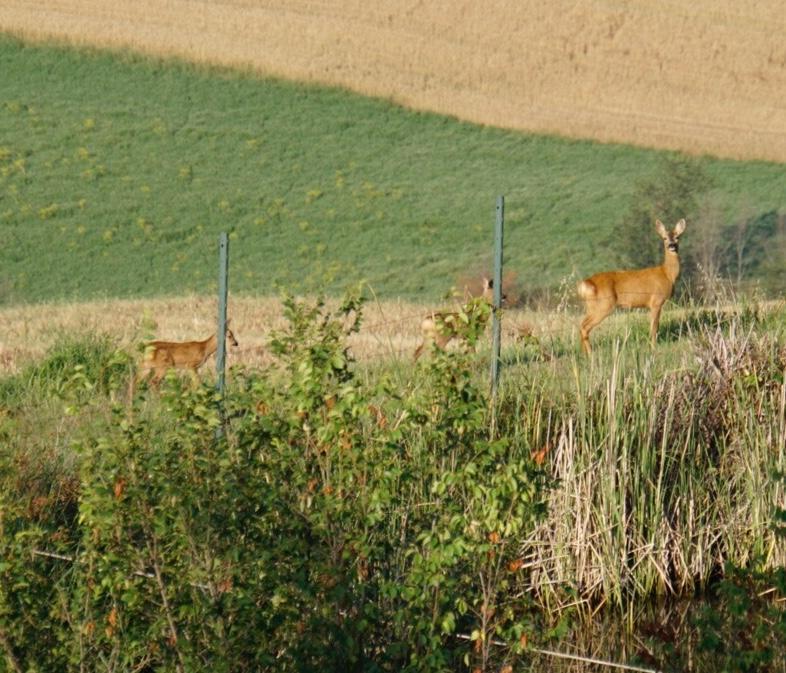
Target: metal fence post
(496, 327)
(223, 272)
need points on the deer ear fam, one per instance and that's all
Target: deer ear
(661, 229)
(679, 227)
(227, 322)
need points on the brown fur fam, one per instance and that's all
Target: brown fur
(637, 288)
(440, 328)
(161, 356)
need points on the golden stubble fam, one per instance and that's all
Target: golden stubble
(390, 330)
(705, 77)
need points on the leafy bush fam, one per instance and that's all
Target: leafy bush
(320, 519)
(330, 525)
(743, 628)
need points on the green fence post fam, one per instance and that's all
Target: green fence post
(223, 273)
(496, 327)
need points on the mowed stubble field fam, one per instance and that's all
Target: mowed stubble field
(390, 330)
(702, 77)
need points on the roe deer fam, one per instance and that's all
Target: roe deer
(440, 328)
(161, 356)
(637, 288)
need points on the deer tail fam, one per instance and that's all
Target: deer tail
(587, 289)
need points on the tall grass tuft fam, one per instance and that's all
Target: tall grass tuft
(44, 409)
(88, 361)
(664, 470)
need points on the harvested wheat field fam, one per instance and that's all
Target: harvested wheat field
(389, 330)
(706, 76)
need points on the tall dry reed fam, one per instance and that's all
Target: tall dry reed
(662, 476)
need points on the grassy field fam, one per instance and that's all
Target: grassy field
(702, 77)
(117, 173)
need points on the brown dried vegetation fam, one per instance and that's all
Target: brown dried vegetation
(701, 77)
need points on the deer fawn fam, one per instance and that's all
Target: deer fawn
(440, 328)
(161, 356)
(638, 288)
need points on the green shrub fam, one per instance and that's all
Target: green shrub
(76, 366)
(331, 525)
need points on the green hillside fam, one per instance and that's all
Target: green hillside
(117, 172)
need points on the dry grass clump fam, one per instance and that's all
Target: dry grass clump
(700, 77)
(664, 478)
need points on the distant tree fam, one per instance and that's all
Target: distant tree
(671, 193)
(751, 239)
(709, 247)
(771, 271)
(727, 255)
(705, 260)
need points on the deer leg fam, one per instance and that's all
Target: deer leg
(419, 349)
(586, 328)
(158, 374)
(194, 376)
(590, 322)
(654, 322)
(144, 375)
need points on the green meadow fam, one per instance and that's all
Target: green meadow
(117, 172)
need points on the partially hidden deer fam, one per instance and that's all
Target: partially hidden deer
(636, 288)
(161, 356)
(439, 328)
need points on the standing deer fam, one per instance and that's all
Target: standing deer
(161, 356)
(637, 288)
(440, 328)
